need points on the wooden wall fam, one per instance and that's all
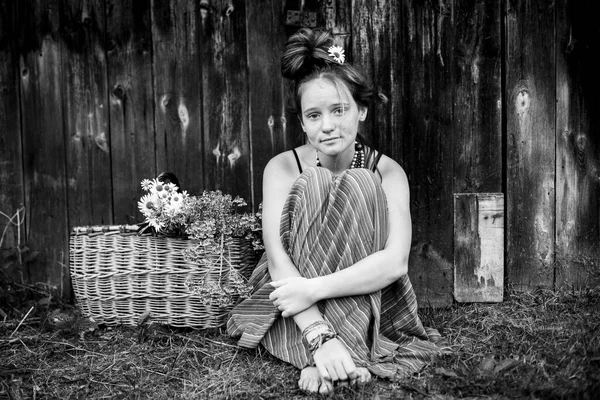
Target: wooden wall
(484, 97)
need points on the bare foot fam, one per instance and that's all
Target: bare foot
(362, 376)
(311, 381)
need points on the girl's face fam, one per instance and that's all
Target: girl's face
(330, 117)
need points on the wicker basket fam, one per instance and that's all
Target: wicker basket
(120, 276)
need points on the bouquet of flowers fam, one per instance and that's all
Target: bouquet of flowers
(162, 207)
(213, 222)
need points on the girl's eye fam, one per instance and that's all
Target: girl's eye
(339, 111)
(312, 116)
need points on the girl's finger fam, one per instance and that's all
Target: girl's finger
(273, 295)
(333, 374)
(340, 372)
(350, 368)
(323, 372)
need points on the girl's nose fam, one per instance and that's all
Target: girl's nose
(328, 124)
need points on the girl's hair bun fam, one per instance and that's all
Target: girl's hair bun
(305, 50)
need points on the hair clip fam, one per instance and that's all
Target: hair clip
(337, 52)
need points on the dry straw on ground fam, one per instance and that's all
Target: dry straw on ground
(535, 345)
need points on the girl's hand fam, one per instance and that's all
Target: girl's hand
(334, 362)
(293, 295)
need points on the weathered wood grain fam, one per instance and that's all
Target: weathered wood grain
(225, 97)
(578, 146)
(337, 15)
(132, 140)
(337, 18)
(178, 91)
(12, 233)
(371, 50)
(216, 66)
(531, 102)
(40, 52)
(270, 133)
(478, 163)
(427, 145)
(479, 247)
(86, 119)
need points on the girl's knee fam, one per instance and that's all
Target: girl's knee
(364, 181)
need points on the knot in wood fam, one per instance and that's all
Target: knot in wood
(581, 141)
(523, 101)
(119, 92)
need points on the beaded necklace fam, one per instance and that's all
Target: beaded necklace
(358, 161)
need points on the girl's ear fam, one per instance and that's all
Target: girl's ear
(362, 114)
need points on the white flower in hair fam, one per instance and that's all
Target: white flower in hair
(337, 52)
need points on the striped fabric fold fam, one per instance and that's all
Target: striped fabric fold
(328, 223)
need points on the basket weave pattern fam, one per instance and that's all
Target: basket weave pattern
(120, 276)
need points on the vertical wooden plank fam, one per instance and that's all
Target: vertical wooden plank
(269, 133)
(530, 71)
(337, 16)
(86, 113)
(132, 140)
(479, 247)
(11, 166)
(478, 154)
(427, 144)
(393, 141)
(478, 97)
(178, 91)
(371, 49)
(578, 146)
(44, 142)
(225, 96)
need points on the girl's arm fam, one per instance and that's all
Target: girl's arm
(278, 178)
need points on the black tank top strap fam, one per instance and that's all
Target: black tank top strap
(376, 161)
(297, 160)
(372, 159)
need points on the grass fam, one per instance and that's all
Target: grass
(536, 345)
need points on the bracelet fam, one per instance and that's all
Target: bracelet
(316, 334)
(314, 329)
(317, 342)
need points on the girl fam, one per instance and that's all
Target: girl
(331, 292)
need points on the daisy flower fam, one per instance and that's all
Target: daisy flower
(159, 186)
(154, 223)
(177, 198)
(337, 52)
(148, 203)
(146, 184)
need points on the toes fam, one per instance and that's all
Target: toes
(312, 387)
(309, 380)
(308, 385)
(362, 375)
(326, 387)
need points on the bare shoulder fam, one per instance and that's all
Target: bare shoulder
(281, 171)
(281, 165)
(392, 172)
